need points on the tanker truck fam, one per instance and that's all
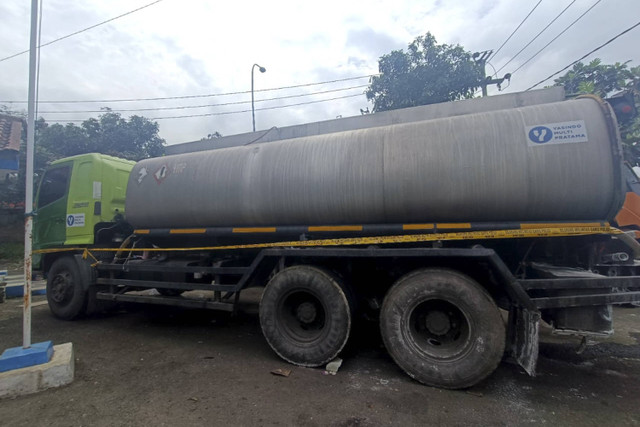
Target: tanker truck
(458, 234)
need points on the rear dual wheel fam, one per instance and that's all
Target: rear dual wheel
(305, 315)
(442, 328)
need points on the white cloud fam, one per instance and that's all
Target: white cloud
(178, 48)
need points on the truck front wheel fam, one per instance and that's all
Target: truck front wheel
(66, 296)
(305, 315)
(442, 328)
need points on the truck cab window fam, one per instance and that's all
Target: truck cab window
(54, 185)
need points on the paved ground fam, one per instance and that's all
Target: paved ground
(146, 366)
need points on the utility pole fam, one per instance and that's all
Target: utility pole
(481, 58)
(34, 54)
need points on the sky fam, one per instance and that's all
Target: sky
(180, 48)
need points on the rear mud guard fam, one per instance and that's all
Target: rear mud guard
(86, 271)
(523, 337)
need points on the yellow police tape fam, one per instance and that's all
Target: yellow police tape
(375, 240)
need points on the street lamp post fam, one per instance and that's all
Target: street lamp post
(253, 110)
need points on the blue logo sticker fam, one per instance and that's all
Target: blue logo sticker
(70, 220)
(540, 134)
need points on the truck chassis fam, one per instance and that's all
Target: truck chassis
(438, 307)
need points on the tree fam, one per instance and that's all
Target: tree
(596, 78)
(213, 135)
(110, 133)
(426, 73)
(605, 80)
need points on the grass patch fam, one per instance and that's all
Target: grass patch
(11, 254)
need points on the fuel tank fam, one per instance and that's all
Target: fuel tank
(549, 162)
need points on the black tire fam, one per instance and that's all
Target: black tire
(442, 328)
(170, 292)
(305, 315)
(66, 296)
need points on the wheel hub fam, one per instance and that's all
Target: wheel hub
(60, 288)
(439, 329)
(306, 312)
(438, 323)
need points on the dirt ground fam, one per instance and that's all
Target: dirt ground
(160, 366)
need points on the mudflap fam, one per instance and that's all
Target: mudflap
(87, 276)
(522, 336)
(86, 271)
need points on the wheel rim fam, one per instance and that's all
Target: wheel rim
(438, 329)
(62, 288)
(302, 316)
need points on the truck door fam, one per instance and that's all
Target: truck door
(51, 207)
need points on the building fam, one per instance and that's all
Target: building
(10, 132)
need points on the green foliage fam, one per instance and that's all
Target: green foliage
(133, 139)
(426, 73)
(596, 77)
(605, 80)
(110, 133)
(11, 252)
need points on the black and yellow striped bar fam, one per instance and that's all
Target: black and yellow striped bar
(365, 229)
(526, 231)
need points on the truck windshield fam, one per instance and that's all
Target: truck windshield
(54, 185)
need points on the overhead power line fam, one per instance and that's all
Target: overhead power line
(514, 31)
(186, 107)
(554, 39)
(83, 30)
(259, 109)
(224, 113)
(540, 33)
(584, 56)
(193, 96)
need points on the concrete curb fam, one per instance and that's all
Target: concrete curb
(14, 285)
(57, 372)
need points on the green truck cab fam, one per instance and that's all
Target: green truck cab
(80, 201)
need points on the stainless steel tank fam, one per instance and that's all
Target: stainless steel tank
(557, 161)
